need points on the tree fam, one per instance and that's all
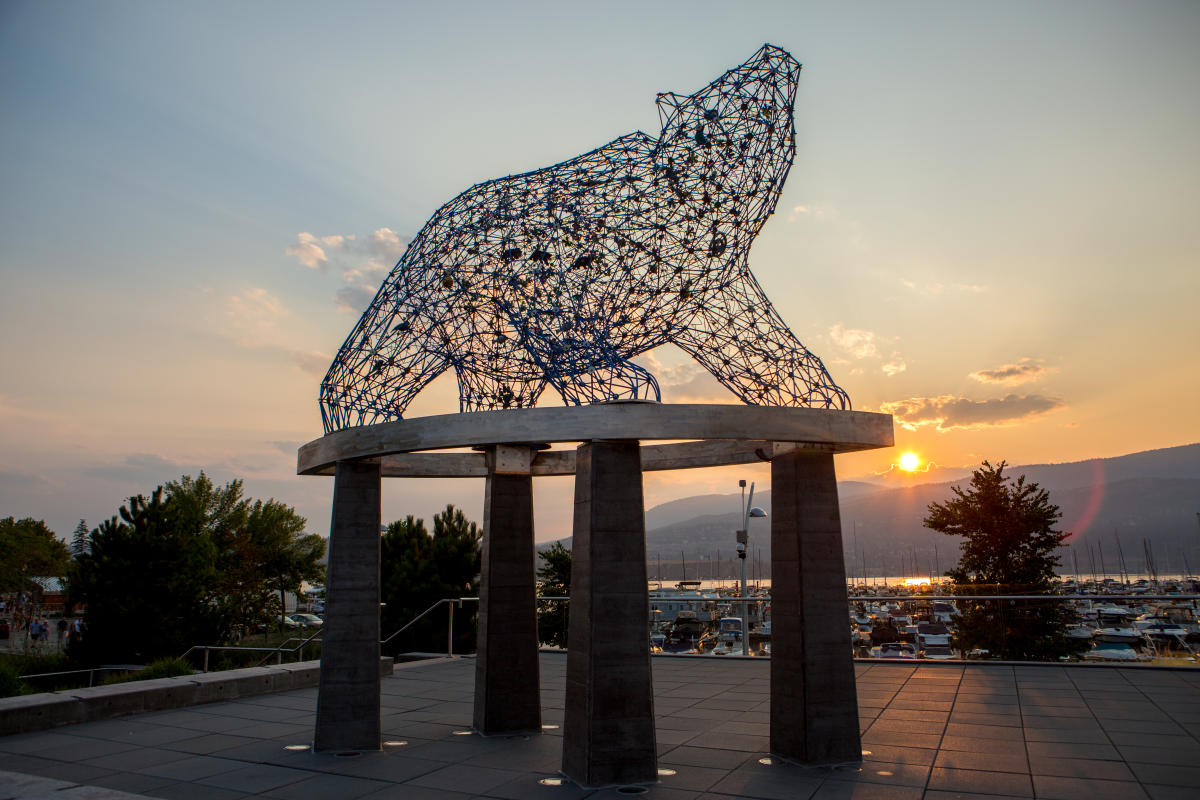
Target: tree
(417, 569)
(1010, 539)
(79, 541)
(195, 564)
(554, 580)
(285, 554)
(261, 549)
(147, 584)
(28, 550)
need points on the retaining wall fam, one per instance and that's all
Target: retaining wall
(39, 712)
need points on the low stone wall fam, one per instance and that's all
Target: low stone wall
(39, 712)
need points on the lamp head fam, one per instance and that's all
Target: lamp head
(757, 512)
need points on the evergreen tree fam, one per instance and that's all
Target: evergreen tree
(554, 580)
(1010, 539)
(417, 569)
(79, 542)
(146, 583)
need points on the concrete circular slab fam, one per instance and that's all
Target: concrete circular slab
(726, 434)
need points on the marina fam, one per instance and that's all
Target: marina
(1143, 621)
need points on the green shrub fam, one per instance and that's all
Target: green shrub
(10, 684)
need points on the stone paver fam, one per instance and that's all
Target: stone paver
(931, 731)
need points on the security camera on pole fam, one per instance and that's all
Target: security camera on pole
(743, 539)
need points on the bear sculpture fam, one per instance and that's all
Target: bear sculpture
(561, 276)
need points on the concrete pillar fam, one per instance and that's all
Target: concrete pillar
(608, 731)
(348, 694)
(814, 702)
(507, 686)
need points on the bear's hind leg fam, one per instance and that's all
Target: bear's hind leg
(738, 337)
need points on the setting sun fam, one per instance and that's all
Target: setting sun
(910, 461)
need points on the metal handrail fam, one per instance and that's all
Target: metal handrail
(454, 602)
(878, 597)
(91, 671)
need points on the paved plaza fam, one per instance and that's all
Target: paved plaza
(933, 731)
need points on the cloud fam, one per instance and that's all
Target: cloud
(307, 251)
(1024, 371)
(947, 412)
(362, 262)
(385, 243)
(894, 367)
(685, 382)
(859, 343)
(354, 297)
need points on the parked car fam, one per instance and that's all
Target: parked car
(308, 620)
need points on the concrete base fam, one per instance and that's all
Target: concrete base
(348, 697)
(814, 702)
(507, 690)
(608, 731)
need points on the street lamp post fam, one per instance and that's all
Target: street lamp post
(743, 539)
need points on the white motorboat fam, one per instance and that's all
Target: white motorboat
(894, 650)
(1117, 635)
(938, 652)
(1080, 632)
(1114, 651)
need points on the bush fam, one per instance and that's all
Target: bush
(163, 668)
(10, 684)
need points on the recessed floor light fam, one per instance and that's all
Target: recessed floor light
(866, 752)
(885, 773)
(664, 772)
(464, 733)
(296, 747)
(553, 781)
(549, 727)
(766, 761)
(395, 743)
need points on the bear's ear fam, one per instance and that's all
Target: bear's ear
(673, 111)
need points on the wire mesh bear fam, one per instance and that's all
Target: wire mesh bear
(562, 275)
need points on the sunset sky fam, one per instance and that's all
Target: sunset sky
(991, 229)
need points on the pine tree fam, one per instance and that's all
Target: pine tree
(1009, 527)
(554, 580)
(80, 545)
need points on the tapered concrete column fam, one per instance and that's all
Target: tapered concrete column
(814, 703)
(348, 695)
(608, 735)
(507, 686)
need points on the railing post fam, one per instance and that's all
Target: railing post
(450, 631)
(206, 658)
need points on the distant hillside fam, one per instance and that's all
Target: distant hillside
(1153, 495)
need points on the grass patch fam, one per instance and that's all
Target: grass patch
(163, 668)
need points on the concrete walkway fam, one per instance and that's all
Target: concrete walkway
(933, 731)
